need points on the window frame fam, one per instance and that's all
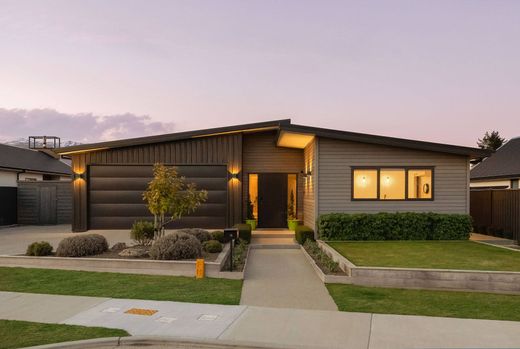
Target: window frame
(379, 168)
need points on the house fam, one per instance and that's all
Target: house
(326, 171)
(499, 171)
(19, 165)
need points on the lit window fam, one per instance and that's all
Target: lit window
(253, 193)
(392, 184)
(419, 184)
(365, 184)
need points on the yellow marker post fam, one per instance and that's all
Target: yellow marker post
(199, 268)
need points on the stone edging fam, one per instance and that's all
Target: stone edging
(436, 279)
(128, 266)
(169, 342)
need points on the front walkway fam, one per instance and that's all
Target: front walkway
(494, 240)
(278, 275)
(276, 327)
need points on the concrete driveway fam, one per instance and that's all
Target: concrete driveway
(16, 239)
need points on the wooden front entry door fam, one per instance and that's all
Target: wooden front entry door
(272, 200)
(48, 205)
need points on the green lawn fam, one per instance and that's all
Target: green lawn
(18, 334)
(117, 285)
(466, 255)
(423, 302)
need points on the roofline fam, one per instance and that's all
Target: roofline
(390, 141)
(25, 170)
(504, 177)
(275, 124)
(283, 124)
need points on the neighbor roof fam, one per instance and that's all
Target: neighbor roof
(20, 159)
(283, 125)
(504, 163)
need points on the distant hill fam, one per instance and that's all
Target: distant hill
(24, 143)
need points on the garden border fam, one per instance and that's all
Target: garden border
(127, 266)
(435, 279)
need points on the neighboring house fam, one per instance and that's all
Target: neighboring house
(18, 165)
(327, 171)
(499, 171)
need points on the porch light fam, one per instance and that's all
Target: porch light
(234, 176)
(79, 175)
(309, 173)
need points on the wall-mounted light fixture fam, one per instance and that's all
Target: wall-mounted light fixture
(233, 176)
(304, 174)
(79, 175)
(309, 173)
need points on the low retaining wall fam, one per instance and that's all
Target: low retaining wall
(437, 279)
(128, 266)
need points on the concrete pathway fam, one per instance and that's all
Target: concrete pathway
(283, 278)
(493, 240)
(277, 327)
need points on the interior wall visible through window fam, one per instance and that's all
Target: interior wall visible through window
(292, 191)
(253, 193)
(365, 184)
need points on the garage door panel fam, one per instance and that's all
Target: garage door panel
(146, 171)
(132, 210)
(115, 196)
(185, 222)
(135, 197)
(113, 183)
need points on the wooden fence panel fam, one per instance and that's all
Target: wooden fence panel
(34, 206)
(497, 210)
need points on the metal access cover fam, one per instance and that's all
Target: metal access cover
(137, 311)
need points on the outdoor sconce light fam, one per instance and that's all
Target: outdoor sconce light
(79, 176)
(309, 173)
(234, 176)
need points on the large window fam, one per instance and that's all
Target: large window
(392, 183)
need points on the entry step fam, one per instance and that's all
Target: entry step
(260, 234)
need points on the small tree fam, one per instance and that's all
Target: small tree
(169, 197)
(291, 214)
(491, 141)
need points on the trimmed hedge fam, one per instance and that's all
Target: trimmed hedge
(303, 233)
(244, 232)
(394, 226)
(212, 246)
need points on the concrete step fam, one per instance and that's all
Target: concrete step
(272, 235)
(294, 246)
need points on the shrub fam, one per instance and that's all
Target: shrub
(212, 246)
(244, 232)
(218, 235)
(142, 232)
(303, 233)
(394, 226)
(201, 234)
(176, 246)
(42, 248)
(239, 255)
(82, 245)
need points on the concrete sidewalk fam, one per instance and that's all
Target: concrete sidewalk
(283, 278)
(261, 325)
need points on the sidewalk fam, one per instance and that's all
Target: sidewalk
(281, 326)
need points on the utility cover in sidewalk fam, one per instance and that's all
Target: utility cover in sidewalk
(207, 317)
(137, 311)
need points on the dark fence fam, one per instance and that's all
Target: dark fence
(496, 212)
(46, 202)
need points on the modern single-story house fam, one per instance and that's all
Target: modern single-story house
(326, 171)
(19, 165)
(499, 171)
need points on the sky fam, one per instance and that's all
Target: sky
(441, 71)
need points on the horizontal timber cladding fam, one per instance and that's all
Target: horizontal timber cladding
(116, 195)
(213, 150)
(309, 194)
(261, 155)
(336, 159)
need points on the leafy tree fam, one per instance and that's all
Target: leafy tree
(491, 141)
(169, 197)
(291, 214)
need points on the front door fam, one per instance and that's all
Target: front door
(272, 200)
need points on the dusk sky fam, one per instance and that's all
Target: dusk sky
(442, 71)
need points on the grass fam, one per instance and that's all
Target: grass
(465, 255)
(18, 334)
(423, 302)
(117, 285)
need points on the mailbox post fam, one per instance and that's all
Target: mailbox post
(230, 235)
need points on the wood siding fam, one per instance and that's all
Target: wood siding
(261, 155)
(309, 194)
(29, 202)
(214, 150)
(336, 158)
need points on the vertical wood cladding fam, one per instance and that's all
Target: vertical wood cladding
(214, 150)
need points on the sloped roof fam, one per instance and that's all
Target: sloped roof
(504, 163)
(16, 158)
(280, 125)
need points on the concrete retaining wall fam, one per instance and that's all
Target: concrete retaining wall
(436, 279)
(128, 266)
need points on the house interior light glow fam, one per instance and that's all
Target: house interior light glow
(294, 140)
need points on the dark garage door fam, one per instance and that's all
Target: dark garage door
(115, 196)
